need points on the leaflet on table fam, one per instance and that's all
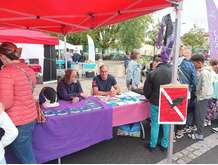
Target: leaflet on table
(89, 105)
(124, 98)
(130, 93)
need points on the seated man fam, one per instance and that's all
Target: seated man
(105, 84)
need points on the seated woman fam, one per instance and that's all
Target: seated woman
(69, 87)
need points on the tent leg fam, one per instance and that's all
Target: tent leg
(178, 8)
(65, 51)
(143, 130)
(59, 50)
(59, 160)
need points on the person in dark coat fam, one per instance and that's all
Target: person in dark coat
(160, 76)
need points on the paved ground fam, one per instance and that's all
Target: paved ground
(194, 152)
(131, 150)
(209, 157)
(126, 150)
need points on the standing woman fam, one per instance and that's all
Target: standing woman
(133, 78)
(16, 86)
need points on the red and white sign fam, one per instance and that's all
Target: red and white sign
(173, 102)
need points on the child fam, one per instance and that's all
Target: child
(10, 133)
(204, 92)
(213, 68)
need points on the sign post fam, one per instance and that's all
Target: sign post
(178, 8)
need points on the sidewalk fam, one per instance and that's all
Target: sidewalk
(209, 157)
(197, 151)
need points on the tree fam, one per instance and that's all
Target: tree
(132, 32)
(78, 38)
(151, 35)
(195, 38)
(127, 35)
(106, 36)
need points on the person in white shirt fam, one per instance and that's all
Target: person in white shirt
(10, 134)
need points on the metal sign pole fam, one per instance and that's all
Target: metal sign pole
(178, 8)
(65, 51)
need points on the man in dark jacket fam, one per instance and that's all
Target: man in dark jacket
(160, 76)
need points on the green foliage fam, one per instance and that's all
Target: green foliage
(195, 38)
(132, 32)
(106, 36)
(77, 38)
(151, 35)
(126, 35)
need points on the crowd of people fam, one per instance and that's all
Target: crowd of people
(19, 111)
(74, 56)
(202, 101)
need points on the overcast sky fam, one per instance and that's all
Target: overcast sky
(194, 12)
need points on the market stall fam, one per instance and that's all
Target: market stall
(64, 17)
(72, 127)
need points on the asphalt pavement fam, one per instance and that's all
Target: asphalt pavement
(210, 157)
(129, 150)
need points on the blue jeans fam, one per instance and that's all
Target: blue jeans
(155, 129)
(22, 146)
(3, 161)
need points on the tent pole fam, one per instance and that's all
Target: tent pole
(65, 50)
(59, 50)
(178, 8)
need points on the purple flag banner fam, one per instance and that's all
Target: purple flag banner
(212, 17)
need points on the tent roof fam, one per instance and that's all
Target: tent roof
(26, 36)
(64, 16)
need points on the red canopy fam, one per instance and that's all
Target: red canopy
(26, 36)
(64, 16)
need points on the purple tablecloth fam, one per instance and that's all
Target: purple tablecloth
(66, 134)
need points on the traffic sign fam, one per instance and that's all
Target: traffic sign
(173, 102)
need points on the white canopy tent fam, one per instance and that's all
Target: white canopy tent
(69, 46)
(33, 51)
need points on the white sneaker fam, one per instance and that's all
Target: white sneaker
(193, 128)
(205, 123)
(209, 123)
(215, 129)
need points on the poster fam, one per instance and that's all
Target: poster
(173, 103)
(212, 17)
(91, 49)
